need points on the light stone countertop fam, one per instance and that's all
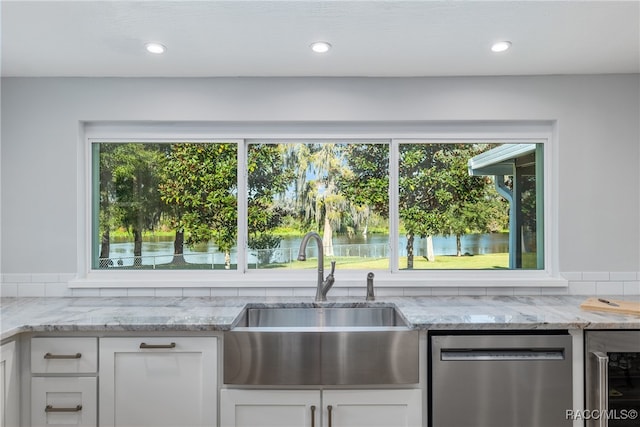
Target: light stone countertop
(181, 314)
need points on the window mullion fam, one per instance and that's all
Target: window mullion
(394, 223)
(95, 203)
(242, 206)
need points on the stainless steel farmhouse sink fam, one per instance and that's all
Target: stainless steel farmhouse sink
(316, 345)
(321, 317)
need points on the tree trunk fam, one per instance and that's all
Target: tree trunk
(458, 245)
(103, 259)
(410, 251)
(137, 247)
(431, 257)
(104, 245)
(178, 248)
(327, 236)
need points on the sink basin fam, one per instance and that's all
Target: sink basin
(321, 317)
(311, 345)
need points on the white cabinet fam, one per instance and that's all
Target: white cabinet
(328, 408)
(63, 401)
(372, 408)
(64, 389)
(269, 408)
(158, 381)
(9, 386)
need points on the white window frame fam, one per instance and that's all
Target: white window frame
(543, 132)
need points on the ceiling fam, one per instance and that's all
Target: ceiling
(272, 38)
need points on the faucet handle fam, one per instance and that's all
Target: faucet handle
(370, 295)
(324, 287)
(333, 267)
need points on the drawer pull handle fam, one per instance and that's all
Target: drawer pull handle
(50, 408)
(313, 415)
(63, 356)
(145, 345)
(330, 410)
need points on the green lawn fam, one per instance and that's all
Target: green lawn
(448, 262)
(476, 262)
(451, 262)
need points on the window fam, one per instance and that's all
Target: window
(338, 189)
(470, 205)
(390, 205)
(165, 206)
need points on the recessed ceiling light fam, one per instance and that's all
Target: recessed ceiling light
(501, 46)
(320, 47)
(156, 48)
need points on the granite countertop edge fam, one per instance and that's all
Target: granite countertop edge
(217, 314)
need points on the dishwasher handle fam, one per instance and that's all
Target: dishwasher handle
(501, 354)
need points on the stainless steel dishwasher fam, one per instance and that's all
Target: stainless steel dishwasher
(500, 380)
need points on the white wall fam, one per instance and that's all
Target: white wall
(597, 123)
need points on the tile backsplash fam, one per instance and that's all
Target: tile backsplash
(580, 283)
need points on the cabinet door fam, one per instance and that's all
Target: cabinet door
(63, 401)
(159, 381)
(269, 408)
(372, 408)
(9, 386)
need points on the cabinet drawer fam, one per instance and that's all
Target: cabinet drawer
(64, 401)
(64, 355)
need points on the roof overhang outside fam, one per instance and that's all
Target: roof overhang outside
(499, 160)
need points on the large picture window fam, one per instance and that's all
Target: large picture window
(388, 205)
(338, 189)
(470, 205)
(165, 206)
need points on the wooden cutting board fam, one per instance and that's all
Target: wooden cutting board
(621, 307)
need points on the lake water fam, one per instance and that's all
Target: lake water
(160, 250)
